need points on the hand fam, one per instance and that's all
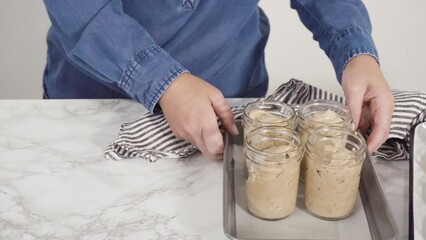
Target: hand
(369, 98)
(190, 106)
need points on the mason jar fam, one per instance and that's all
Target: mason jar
(264, 112)
(321, 113)
(334, 158)
(273, 156)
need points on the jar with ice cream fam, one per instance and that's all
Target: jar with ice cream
(273, 156)
(321, 113)
(265, 112)
(334, 158)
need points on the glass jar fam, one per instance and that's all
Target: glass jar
(334, 158)
(273, 156)
(321, 113)
(264, 112)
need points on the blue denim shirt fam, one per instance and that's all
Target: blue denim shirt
(135, 49)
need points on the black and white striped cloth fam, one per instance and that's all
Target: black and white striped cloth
(151, 138)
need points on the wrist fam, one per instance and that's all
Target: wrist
(363, 59)
(362, 72)
(175, 88)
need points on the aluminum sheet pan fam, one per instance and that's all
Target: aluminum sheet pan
(417, 226)
(372, 218)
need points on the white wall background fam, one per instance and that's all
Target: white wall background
(23, 28)
(399, 30)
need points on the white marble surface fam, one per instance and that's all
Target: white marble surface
(56, 184)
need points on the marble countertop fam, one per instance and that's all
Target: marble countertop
(56, 184)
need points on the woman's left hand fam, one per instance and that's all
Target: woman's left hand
(369, 98)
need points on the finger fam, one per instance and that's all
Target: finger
(193, 133)
(365, 119)
(377, 137)
(211, 135)
(223, 111)
(354, 101)
(364, 124)
(199, 143)
(382, 119)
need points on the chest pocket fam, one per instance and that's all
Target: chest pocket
(188, 5)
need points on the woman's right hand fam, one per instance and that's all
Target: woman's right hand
(190, 106)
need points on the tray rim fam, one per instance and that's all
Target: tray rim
(411, 181)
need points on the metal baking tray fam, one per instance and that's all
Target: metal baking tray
(371, 219)
(417, 204)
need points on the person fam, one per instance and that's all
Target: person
(185, 57)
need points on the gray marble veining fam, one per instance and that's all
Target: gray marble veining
(56, 184)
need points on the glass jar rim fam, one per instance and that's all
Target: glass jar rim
(322, 102)
(313, 138)
(294, 135)
(266, 102)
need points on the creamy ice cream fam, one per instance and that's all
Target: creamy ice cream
(272, 189)
(332, 180)
(266, 118)
(328, 117)
(318, 120)
(321, 119)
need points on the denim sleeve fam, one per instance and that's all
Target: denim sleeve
(102, 40)
(341, 27)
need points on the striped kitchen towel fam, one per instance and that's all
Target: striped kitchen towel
(151, 138)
